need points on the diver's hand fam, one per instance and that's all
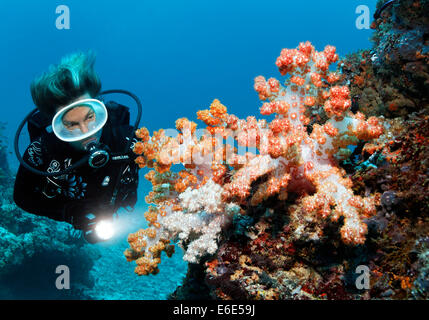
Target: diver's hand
(73, 187)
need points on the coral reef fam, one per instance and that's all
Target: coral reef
(316, 194)
(4, 168)
(402, 219)
(32, 247)
(392, 79)
(289, 157)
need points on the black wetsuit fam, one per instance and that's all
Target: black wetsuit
(85, 190)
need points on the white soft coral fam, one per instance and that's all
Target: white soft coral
(207, 198)
(200, 222)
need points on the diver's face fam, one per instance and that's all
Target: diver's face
(80, 118)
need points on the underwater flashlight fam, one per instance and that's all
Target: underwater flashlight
(96, 230)
(104, 230)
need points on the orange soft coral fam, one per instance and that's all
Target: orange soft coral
(273, 159)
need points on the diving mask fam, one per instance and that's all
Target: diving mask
(79, 120)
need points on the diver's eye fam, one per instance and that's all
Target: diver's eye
(70, 126)
(90, 117)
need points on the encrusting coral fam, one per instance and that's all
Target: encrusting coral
(292, 154)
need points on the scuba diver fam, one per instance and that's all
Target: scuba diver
(79, 167)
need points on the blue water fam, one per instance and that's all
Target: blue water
(177, 56)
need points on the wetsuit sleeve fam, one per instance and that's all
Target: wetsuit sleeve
(28, 190)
